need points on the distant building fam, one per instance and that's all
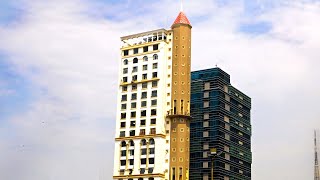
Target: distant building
(220, 119)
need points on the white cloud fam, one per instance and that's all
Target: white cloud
(71, 58)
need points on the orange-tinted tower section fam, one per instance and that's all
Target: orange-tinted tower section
(180, 111)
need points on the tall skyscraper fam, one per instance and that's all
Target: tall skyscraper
(153, 105)
(220, 119)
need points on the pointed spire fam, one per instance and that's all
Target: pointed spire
(182, 19)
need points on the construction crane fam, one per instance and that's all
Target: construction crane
(316, 163)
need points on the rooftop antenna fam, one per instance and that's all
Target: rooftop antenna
(316, 164)
(181, 5)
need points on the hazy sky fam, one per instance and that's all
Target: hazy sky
(59, 67)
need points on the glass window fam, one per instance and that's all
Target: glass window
(135, 50)
(151, 160)
(153, 131)
(132, 123)
(144, 76)
(153, 102)
(143, 95)
(124, 88)
(155, 57)
(154, 83)
(124, 97)
(145, 58)
(133, 105)
(133, 114)
(134, 78)
(123, 153)
(143, 151)
(123, 106)
(125, 79)
(145, 67)
(155, 65)
(142, 122)
(133, 96)
(122, 133)
(125, 70)
(123, 162)
(143, 113)
(134, 87)
(125, 52)
(123, 115)
(153, 121)
(135, 69)
(154, 93)
(123, 124)
(155, 47)
(135, 60)
(132, 132)
(145, 48)
(153, 112)
(131, 161)
(144, 85)
(154, 74)
(142, 132)
(143, 103)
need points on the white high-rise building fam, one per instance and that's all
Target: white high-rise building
(152, 123)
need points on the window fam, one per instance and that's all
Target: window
(206, 124)
(135, 60)
(153, 102)
(154, 83)
(227, 107)
(151, 160)
(133, 96)
(154, 74)
(207, 86)
(143, 113)
(155, 65)
(143, 95)
(132, 132)
(153, 112)
(142, 122)
(155, 47)
(151, 151)
(205, 146)
(205, 164)
(142, 171)
(134, 87)
(144, 85)
(150, 170)
(135, 50)
(123, 124)
(206, 94)
(143, 103)
(205, 134)
(154, 93)
(145, 48)
(124, 88)
(134, 78)
(123, 162)
(145, 67)
(153, 131)
(125, 70)
(125, 79)
(131, 161)
(135, 69)
(155, 57)
(151, 141)
(132, 123)
(143, 161)
(143, 142)
(123, 144)
(124, 97)
(226, 119)
(144, 76)
(133, 114)
(142, 132)
(126, 52)
(122, 133)
(123, 106)
(206, 104)
(133, 105)
(145, 58)
(123, 153)
(131, 144)
(123, 115)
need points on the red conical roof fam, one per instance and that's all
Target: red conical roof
(181, 19)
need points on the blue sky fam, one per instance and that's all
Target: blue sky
(59, 70)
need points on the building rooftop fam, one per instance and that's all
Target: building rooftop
(182, 19)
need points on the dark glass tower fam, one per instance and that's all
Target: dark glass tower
(220, 119)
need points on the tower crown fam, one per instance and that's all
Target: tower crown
(181, 19)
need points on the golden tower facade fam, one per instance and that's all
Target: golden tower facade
(180, 99)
